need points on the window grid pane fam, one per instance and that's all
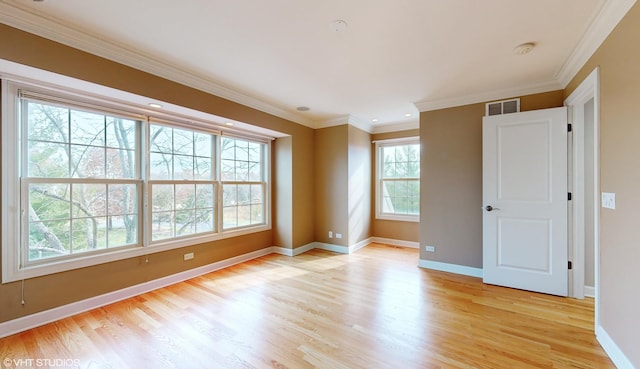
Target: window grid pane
(70, 218)
(179, 154)
(181, 209)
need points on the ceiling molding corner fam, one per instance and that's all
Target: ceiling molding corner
(349, 119)
(610, 14)
(337, 121)
(396, 127)
(428, 105)
(360, 123)
(50, 28)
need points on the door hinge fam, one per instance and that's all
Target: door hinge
(570, 265)
(569, 127)
(570, 196)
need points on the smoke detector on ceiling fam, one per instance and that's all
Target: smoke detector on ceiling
(524, 48)
(338, 25)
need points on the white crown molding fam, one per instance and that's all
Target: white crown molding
(429, 105)
(20, 17)
(337, 121)
(345, 119)
(609, 15)
(396, 127)
(53, 29)
(360, 123)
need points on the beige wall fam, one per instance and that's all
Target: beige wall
(391, 229)
(332, 184)
(343, 187)
(282, 190)
(619, 61)
(359, 185)
(296, 222)
(304, 185)
(451, 185)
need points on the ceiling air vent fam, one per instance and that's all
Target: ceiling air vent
(503, 107)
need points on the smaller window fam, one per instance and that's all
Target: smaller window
(398, 179)
(243, 183)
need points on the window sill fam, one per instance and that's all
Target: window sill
(12, 273)
(399, 218)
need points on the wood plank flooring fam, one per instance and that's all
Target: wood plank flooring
(371, 309)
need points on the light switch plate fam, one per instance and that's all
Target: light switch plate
(608, 200)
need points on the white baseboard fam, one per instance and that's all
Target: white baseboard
(450, 268)
(34, 320)
(357, 246)
(615, 354)
(282, 250)
(399, 243)
(589, 291)
(343, 249)
(293, 252)
(303, 249)
(334, 248)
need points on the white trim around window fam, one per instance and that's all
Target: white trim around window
(398, 189)
(16, 179)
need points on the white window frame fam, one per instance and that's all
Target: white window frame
(38, 96)
(264, 170)
(104, 99)
(378, 175)
(213, 180)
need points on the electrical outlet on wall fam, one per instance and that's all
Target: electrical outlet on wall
(430, 248)
(338, 235)
(330, 234)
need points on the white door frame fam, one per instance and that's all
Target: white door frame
(588, 89)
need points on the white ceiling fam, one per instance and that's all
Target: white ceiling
(395, 57)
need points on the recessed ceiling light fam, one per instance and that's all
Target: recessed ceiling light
(407, 115)
(338, 25)
(303, 108)
(154, 105)
(230, 124)
(374, 120)
(524, 48)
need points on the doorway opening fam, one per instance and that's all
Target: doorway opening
(583, 106)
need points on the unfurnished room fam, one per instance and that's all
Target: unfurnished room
(319, 184)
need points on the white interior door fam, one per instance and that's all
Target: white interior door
(525, 200)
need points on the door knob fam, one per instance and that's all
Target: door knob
(490, 208)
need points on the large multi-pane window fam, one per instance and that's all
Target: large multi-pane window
(85, 182)
(398, 180)
(80, 180)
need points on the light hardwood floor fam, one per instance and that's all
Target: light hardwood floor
(371, 309)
